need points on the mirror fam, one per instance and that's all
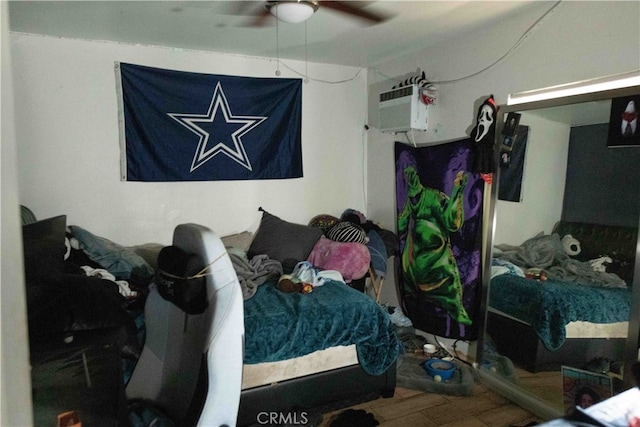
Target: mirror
(560, 308)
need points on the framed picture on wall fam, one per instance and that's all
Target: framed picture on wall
(623, 122)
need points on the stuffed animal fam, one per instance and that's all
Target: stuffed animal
(324, 222)
(536, 274)
(571, 245)
(351, 259)
(288, 283)
(305, 277)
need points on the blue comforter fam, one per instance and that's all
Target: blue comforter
(548, 306)
(281, 326)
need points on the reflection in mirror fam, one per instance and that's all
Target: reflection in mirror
(511, 160)
(559, 305)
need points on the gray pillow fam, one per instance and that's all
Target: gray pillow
(283, 241)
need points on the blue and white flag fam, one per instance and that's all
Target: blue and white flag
(180, 126)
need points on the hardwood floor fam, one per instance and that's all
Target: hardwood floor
(546, 385)
(419, 409)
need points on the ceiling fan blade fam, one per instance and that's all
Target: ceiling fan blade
(261, 19)
(255, 12)
(352, 8)
(348, 8)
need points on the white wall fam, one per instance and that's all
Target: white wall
(574, 42)
(542, 185)
(68, 152)
(15, 374)
(578, 40)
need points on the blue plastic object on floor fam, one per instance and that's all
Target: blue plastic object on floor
(439, 368)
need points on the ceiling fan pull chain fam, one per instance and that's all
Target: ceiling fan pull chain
(277, 45)
(306, 62)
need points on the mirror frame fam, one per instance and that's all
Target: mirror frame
(632, 349)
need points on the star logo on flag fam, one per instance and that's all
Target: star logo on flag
(219, 130)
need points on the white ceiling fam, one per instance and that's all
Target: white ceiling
(223, 26)
(585, 113)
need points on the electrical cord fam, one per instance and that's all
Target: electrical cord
(513, 48)
(411, 140)
(455, 350)
(455, 353)
(321, 80)
(497, 61)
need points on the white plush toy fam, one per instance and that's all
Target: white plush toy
(571, 245)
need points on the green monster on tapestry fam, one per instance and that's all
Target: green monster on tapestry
(427, 218)
(439, 213)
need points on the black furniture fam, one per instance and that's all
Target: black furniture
(79, 332)
(84, 376)
(328, 388)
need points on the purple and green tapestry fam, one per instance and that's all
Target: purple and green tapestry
(439, 214)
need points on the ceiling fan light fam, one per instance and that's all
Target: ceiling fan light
(292, 12)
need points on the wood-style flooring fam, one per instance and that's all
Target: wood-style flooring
(545, 385)
(412, 408)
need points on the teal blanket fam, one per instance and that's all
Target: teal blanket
(548, 306)
(281, 326)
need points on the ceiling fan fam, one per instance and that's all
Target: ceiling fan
(295, 11)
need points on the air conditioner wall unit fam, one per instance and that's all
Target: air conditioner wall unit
(402, 109)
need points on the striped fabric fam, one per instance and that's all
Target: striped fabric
(345, 231)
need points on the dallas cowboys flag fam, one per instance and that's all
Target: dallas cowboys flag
(180, 126)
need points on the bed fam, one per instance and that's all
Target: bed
(302, 351)
(305, 351)
(579, 313)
